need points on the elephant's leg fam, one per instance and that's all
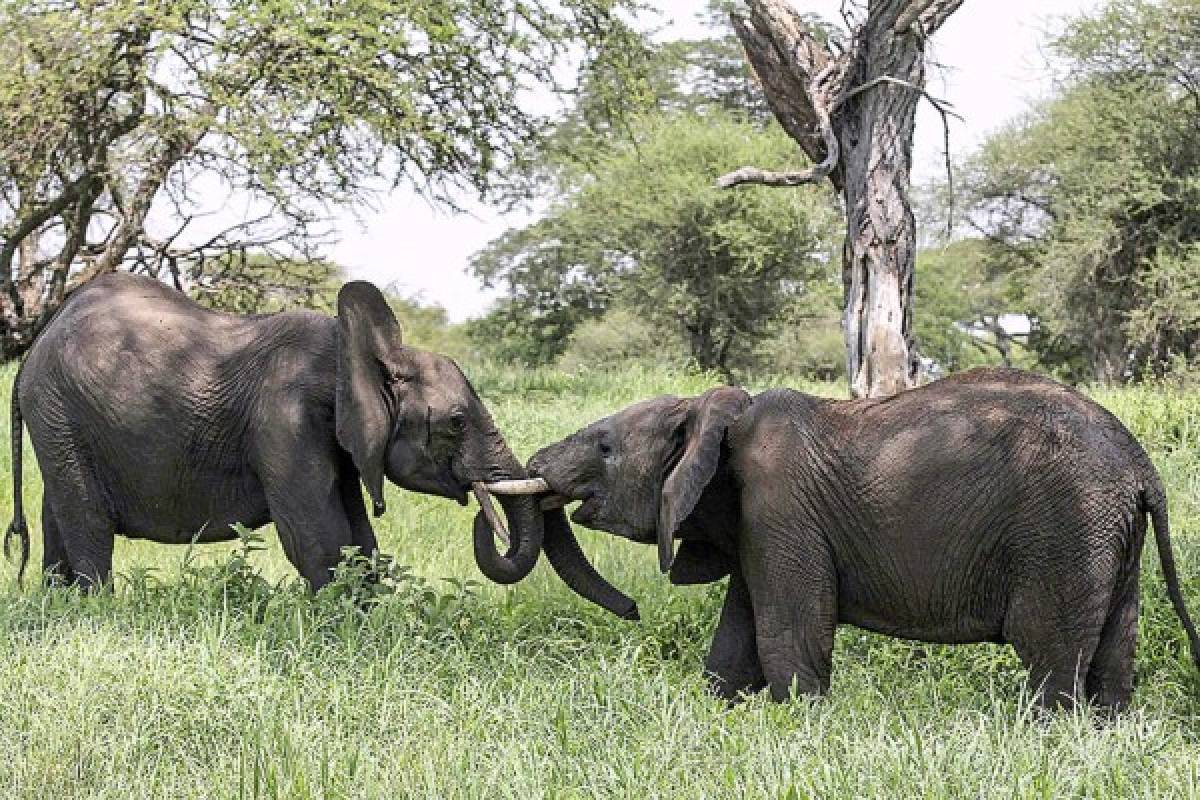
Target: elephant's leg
(1110, 677)
(732, 665)
(83, 524)
(312, 523)
(1055, 640)
(362, 535)
(56, 568)
(794, 596)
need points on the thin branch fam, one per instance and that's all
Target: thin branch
(935, 17)
(823, 111)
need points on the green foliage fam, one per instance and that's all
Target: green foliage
(111, 114)
(618, 340)
(262, 284)
(1096, 196)
(812, 346)
(211, 673)
(649, 229)
(426, 326)
(962, 293)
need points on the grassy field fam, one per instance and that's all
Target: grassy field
(208, 673)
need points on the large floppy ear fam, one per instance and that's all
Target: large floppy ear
(709, 415)
(368, 335)
(698, 561)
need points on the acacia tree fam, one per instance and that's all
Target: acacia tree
(851, 105)
(113, 113)
(1093, 197)
(644, 229)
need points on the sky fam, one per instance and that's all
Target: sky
(990, 66)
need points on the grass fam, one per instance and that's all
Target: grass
(209, 673)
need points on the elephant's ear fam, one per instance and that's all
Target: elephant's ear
(709, 415)
(699, 562)
(368, 336)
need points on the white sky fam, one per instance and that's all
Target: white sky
(993, 66)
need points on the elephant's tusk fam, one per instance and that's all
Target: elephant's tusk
(489, 512)
(526, 486)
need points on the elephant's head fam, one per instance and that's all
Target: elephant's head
(412, 416)
(641, 472)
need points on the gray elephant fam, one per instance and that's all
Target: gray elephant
(154, 418)
(992, 506)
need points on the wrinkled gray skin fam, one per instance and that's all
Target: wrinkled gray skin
(154, 418)
(993, 506)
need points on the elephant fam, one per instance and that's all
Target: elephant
(990, 506)
(155, 418)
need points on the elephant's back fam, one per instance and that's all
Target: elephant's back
(112, 324)
(133, 341)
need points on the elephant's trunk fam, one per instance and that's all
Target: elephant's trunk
(568, 560)
(524, 521)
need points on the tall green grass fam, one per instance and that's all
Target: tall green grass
(209, 673)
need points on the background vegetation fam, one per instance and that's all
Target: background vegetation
(1071, 245)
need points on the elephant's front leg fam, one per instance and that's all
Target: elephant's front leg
(306, 505)
(732, 666)
(362, 535)
(794, 594)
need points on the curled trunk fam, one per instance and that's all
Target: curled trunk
(524, 520)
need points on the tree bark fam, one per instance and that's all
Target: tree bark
(853, 113)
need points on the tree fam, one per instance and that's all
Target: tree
(1094, 197)
(647, 230)
(113, 114)
(262, 284)
(850, 104)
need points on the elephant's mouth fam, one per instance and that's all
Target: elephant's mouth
(588, 512)
(457, 491)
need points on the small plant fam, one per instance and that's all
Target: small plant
(235, 581)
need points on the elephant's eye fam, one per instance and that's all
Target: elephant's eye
(458, 422)
(605, 448)
(395, 378)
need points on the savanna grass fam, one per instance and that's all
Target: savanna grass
(209, 672)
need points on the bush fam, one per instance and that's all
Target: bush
(811, 348)
(621, 337)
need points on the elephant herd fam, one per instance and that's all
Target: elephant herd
(990, 506)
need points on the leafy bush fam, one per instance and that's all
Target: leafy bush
(621, 338)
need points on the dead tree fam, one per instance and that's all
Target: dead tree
(852, 110)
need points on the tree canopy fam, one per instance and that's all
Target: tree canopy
(113, 115)
(648, 230)
(1095, 196)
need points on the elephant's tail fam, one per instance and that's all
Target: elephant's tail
(1154, 500)
(17, 528)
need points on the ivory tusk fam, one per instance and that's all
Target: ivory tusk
(526, 486)
(480, 491)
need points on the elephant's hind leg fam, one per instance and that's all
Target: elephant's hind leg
(85, 530)
(1055, 640)
(56, 567)
(1110, 677)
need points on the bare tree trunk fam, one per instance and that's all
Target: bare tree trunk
(853, 114)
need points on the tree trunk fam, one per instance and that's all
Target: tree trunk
(853, 113)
